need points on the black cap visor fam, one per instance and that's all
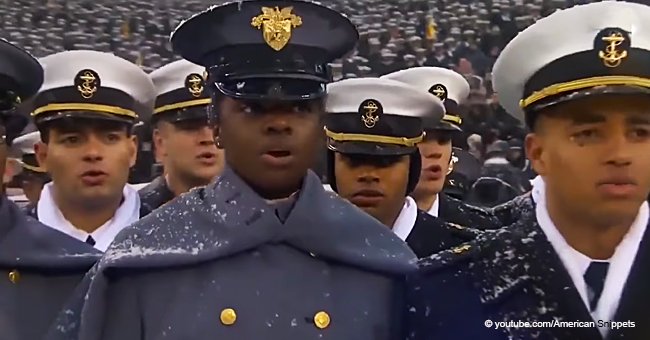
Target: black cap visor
(583, 93)
(273, 87)
(47, 118)
(370, 148)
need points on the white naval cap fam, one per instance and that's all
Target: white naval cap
(377, 116)
(22, 150)
(92, 84)
(180, 85)
(451, 87)
(588, 49)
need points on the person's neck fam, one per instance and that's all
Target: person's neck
(179, 186)
(424, 200)
(85, 217)
(595, 239)
(390, 217)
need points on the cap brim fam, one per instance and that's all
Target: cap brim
(194, 113)
(366, 148)
(444, 126)
(85, 115)
(20, 66)
(593, 91)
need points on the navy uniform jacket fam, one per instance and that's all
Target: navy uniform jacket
(509, 212)
(454, 211)
(217, 263)
(154, 194)
(431, 235)
(39, 267)
(514, 274)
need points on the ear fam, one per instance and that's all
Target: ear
(535, 153)
(11, 169)
(133, 150)
(159, 144)
(41, 151)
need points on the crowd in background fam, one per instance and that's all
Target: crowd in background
(463, 35)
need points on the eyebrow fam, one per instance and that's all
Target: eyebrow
(587, 118)
(638, 120)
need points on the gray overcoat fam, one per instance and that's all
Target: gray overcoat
(39, 267)
(218, 263)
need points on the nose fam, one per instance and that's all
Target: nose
(619, 151)
(278, 123)
(205, 135)
(93, 149)
(367, 176)
(428, 152)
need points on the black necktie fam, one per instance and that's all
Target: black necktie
(90, 240)
(595, 279)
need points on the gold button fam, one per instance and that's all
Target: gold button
(322, 320)
(14, 276)
(228, 316)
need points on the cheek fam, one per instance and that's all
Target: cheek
(395, 178)
(344, 175)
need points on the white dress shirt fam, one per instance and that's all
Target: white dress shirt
(435, 207)
(406, 219)
(577, 263)
(128, 213)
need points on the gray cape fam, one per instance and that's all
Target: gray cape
(217, 263)
(40, 268)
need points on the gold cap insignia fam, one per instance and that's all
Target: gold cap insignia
(194, 83)
(612, 45)
(87, 83)
(370, 110)
(276, 25)
(439, 91)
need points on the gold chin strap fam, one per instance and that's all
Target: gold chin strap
(452, 163)
(356, 137)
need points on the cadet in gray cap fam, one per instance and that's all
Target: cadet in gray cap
(39, 266)
(85, 112)
(436, 150)
(374, 127)
(183, 133)
(579, 249)
(259, 253)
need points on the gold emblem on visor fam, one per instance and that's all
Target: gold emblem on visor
(276, 25)
(613, 46)
(194, 84)
(439, 91)
(370, 110)
(87, 82)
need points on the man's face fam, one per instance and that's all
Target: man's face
(376, 184)
(271, 144)
(594, 155)
(88, 160)
(188, 150)
(436, 154)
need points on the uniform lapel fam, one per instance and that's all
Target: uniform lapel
(324, 225)
(522, 278)
(636, 296)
